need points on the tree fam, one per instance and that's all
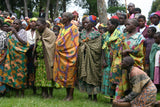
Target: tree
(155, 6)
(25, 8)
(102, 13)
(8, 6)
(47, 8)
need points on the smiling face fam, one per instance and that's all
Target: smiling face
(131, 8)
(87, 24)
(121, 20)
(64, 19)
(110, 27)
(16, 24)
(33, 25)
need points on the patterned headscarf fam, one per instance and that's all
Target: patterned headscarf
(33, 19)
(92, 18)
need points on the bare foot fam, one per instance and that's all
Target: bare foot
(69, 99)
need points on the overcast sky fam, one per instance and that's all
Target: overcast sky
(145, 6)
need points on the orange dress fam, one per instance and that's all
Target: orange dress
(66, 50)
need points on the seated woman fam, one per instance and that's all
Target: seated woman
(143, 92)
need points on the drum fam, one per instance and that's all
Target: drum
(122, 104)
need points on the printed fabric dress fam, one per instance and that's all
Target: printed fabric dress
(112, 46)
(41, 75)
(89, 62)
(134, 43)
(65, 60)
(15, 69)
(3, 49)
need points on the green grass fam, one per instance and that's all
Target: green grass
(29, 100)
(80, 100)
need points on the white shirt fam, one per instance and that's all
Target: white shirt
(142, 29)
(30, 38)
(156, 26)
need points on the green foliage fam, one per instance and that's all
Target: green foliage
(155, 6)
(114, 9)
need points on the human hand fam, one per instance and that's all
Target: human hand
(126, 52)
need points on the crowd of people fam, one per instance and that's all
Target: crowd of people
(120, 59)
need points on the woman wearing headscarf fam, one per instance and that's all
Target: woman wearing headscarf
(111, 45)
(89, 59)
(66, 50)
(15, 70)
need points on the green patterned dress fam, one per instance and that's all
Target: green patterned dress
(41, 75)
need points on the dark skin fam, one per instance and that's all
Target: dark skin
(131, 8)
(155, 19)
(121, 20)
(88, 27)
(16, 28)
(131, 29)
(33, 27)
(141, 22)
(56, 30)
(66, 21)
(40, 28)
(157, 38)
(150, 33)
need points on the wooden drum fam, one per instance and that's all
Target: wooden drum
(122, 104)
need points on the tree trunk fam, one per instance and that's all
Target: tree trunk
(102, 11)
(25, 8)
(64, 5)
(51, 10)
(56, 9)
(8, 6)
(47, 8)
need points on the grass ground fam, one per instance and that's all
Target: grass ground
(29, 100)
(80, 100)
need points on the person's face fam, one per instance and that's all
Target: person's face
(121, 20)
(155, 19)
(40, 27)
(156, 39)
(24, 26)
(130, 8)
(150, 33)
(130, 26)
(101, 30)
(110, 27)
(64, 19)
(33, 24)
(5, 28)
(141, 22)
(124, 64)
(16, 24)
(56, 31)
(87, 24)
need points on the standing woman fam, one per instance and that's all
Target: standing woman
(112, 44)
(89, 59)
(3, 51)
(44, 53)
(15, 64)
(133, 46)
(66, 50)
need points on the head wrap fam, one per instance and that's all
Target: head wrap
(57, 20)
(115, 17)
(8, 20)
(155, 13)
(6, 23)
(75, 13)
(47, 21)
(24, 22)
(92, 18)
(2, 18)
(33, 19)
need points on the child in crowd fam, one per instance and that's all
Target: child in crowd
(155, 18)
(147, 45)
(154, 60)
(142, 28)
(56, 29)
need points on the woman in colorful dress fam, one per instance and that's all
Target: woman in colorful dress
(66, 50)
(133, 46)
(44, 54)
(89, 59)
(3, 51)
(143, 91)
(15, 70)
(112, 44)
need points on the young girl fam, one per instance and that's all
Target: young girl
(147, 45)
(154, 59)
